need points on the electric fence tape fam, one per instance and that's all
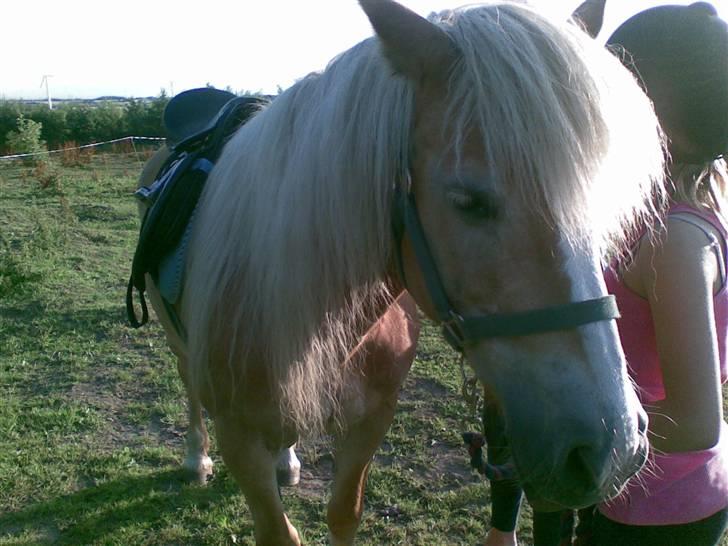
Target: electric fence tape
(94, 144)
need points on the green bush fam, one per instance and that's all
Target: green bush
(9, 112)
(55, 129)
(26, 139)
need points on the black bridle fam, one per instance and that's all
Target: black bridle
(461, 330)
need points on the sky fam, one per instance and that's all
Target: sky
(138, 48)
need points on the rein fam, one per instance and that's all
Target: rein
(460, 330)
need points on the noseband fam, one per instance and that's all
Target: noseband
(459, 330)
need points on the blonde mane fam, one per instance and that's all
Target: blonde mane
(562, 116)
(293, 233)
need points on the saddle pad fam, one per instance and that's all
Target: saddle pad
(172, 266)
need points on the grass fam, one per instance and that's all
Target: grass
(92, 413)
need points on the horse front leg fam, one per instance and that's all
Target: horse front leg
(253, 466)
(386, 354)
(354, 450)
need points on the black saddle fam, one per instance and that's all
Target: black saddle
(193, 112)
(199, 122)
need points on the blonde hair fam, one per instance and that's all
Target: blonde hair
(701, 186)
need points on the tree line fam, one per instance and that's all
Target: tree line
(81, 123)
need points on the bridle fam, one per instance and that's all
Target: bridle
(459, 330)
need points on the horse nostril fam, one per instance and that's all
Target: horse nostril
(642, 422)
(583, 467)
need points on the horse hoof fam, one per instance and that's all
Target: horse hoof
(288, 476)
(288, 468)
(199, 471)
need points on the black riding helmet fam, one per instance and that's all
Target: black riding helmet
(680, 55)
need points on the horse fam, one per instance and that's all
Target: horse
(476, 165)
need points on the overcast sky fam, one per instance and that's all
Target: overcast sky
(139, 47)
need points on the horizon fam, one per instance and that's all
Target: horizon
(87, 58)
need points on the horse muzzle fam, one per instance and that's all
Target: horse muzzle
(582, 471)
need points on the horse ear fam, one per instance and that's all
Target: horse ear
(415, 47)
(590, 15)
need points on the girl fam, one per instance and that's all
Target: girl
(672, 294)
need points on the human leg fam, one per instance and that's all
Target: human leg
(506, 494)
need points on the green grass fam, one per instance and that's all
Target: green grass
(92, 413)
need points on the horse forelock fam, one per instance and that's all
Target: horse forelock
(563, 123)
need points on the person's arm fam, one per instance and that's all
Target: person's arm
(678, 278)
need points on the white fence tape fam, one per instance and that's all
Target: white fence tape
(48, 152)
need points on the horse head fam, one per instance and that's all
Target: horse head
(515, 181)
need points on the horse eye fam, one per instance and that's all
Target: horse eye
(476, 206)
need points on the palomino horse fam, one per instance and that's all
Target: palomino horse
(482, 160)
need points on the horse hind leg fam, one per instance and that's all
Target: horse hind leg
(197, 463)
(253, 466)
(288, 467)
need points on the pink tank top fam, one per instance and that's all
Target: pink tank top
(675, 488)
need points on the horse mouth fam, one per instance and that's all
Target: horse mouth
(543, 505)
(546, 503)
(575, 496)
(638, 463)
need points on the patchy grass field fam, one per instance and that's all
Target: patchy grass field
(92, 413)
